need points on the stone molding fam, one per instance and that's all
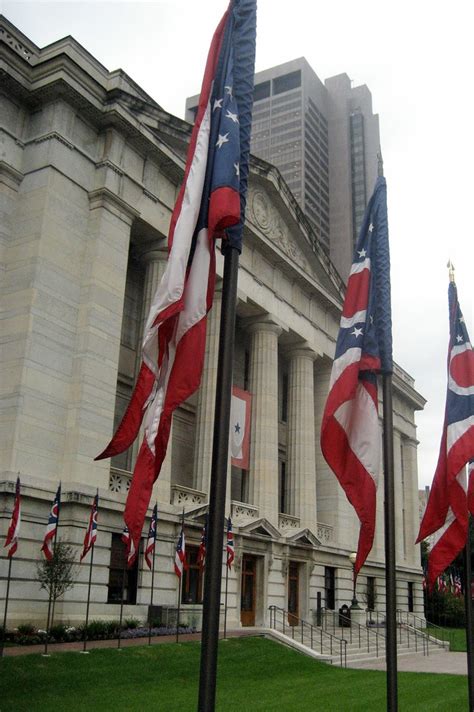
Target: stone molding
(325, 533)
(243, 513)
(10, 176)
(288, 521)
(181, 495)
(104, 198)
(119, 480)
(263, 214)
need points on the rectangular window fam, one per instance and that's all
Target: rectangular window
(411, 597)
(191, 591)
(330, 587)
(287, 82)
(120, 575)
(282, 486)
(261, 91)
(371, 593)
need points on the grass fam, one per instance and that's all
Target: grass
(254, 674)
(457, 637)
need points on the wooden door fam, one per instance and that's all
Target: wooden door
(248, 590)
(293, 593)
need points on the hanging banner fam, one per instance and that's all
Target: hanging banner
(240, 411)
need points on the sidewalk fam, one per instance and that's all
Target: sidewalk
(124, 643)
(439, 662)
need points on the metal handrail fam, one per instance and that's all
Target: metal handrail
(314, 633)
(360, 629)
(446, 636)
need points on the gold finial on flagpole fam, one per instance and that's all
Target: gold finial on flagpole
(450, 266)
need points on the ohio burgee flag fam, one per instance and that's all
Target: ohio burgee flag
(350, 434)
(211, 204)
(446, 514)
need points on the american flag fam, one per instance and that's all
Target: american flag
(51, 527)
(445, 519)
(457, 588)
(202, 547)
(230, 549)
(130, 549)
(91, 533)
(14, 528)
(350, 434)
(211, 204)
(151, 542)
(180, 555)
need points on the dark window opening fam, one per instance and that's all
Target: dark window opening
(411, 598)
(261, 91)
(246, 370)
(287, 82)
(192, 577)
(371, 593)
(119, 574)
(282, 487)
(330, 587)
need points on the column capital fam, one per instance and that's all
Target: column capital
(300, 350)
(263, 323)
(156, 251)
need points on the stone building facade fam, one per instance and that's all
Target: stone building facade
(90, 168)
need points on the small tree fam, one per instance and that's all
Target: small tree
(57, 576)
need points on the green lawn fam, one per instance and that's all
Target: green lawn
(255, 675)
(457, 637)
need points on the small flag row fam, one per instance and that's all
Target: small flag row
(180, 562)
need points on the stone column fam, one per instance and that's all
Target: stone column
(154, 258)
(263, 484)
(301, 437)
(206, 399)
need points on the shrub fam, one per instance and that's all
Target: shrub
(26, 629)
(130, 623)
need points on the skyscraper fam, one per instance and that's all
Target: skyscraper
(324, 139)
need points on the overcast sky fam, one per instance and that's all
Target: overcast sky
(415, 57)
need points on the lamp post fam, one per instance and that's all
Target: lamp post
(355, 603)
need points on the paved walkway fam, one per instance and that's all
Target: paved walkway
(440, 662)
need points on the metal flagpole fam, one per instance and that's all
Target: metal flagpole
(468, 608)
(119, 644)
(216, 515)
(180, 580)
(390, 575)
(226, 589)
(7, 595)
(152, 586)
(50, 616)
(88, 597)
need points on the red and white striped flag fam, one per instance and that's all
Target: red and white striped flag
(210, 204)
(129, 546)
(230, 548)
(151, 542)
(91, 533)
(51, 528)
(14, 528)
(180, 555)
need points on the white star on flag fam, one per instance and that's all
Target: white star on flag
(217, 104)
(357, 332)
(371, 227)
(228, 90)
(232, 116)
(459, 338)
(237, 169)
(222, 140)
(362, 253)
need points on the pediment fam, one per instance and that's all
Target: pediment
(303, 537)
(198, 514)
(261, 527)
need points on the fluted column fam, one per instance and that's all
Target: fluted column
(264, 474)
(155, 259)
(206, 399)
(301, 437)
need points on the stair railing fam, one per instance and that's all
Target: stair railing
(313, 637)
